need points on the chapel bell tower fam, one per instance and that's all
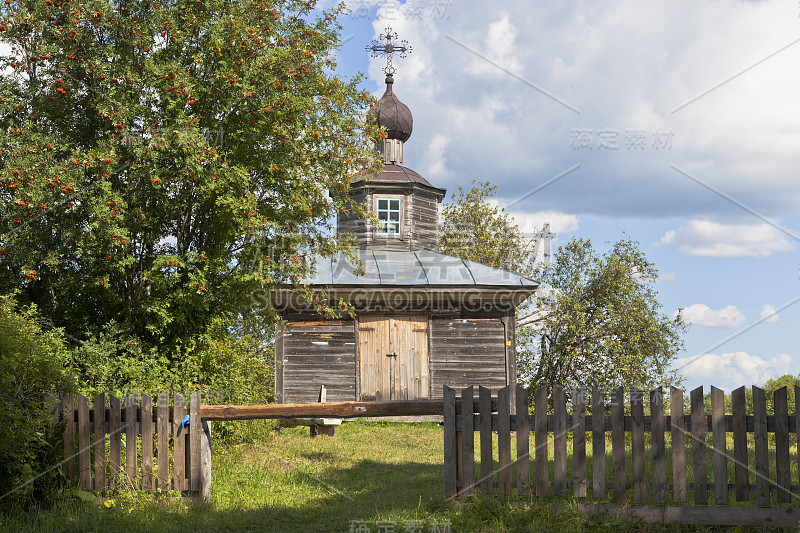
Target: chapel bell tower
(405, 204)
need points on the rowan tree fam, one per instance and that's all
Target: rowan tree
(160, 160)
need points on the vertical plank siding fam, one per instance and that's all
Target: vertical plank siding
(705, 432)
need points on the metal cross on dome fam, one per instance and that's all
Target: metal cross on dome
(387, 43)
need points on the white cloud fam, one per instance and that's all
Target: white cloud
(498, 46)
(702, 315)
(626, 65)
(666, 277)
(769, 314)
(435, 157)
(731, 370)
(711, 239)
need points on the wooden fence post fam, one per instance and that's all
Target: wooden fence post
(523, 443)
(637, 447)
(450, 449)
(487, 455)
(579, 442)
(540, 436)
(504, 439)
(131, 432)
(740, 455)
(468, 440)
(178, 443)
(195, 429)
(699, 429)
(678, 441)
(782, 464)
(205, 463)
(761, 446)
(598, 444)
(657, 442)
(560, 441)
(84, 443)
(618, 444)
(720, 446)
(100, 442)
(68, 410)
(163, 429)
(797, 422)
(115, 437)
(147, 442)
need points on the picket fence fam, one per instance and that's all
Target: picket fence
(93, 435)
(773, 486)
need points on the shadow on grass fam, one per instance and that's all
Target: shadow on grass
(370, 492)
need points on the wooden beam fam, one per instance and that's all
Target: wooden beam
(322, 410)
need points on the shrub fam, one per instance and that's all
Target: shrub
(226, 365)
(34, 371)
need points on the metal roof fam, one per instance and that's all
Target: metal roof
(392, 173)
(404, 268)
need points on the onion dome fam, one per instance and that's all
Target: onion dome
(392, 114)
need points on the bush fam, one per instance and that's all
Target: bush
(34, 371)
(228, 367)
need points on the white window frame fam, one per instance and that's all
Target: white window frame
(379, 225)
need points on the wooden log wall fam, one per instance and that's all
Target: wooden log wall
(467, 350)
(424, 220)
(97, 435)
(759, 487)
(419, 214)
(316, 353)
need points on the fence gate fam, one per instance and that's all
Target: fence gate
(151, 432)
(745, 470)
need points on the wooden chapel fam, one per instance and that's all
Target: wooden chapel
(423, 319)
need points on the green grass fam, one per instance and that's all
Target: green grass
(372, 473)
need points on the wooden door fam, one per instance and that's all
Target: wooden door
(394, 358)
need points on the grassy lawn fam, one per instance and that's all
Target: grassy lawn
(376, 476)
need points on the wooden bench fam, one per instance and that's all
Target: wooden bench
(317, 426)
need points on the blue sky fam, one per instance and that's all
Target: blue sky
(680, 124)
